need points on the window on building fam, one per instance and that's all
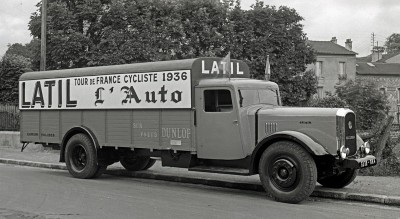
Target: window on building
(382, 90)
(318, 69)
(217, 101)
(342, 70)
(398, 95)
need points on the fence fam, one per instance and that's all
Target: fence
(9, 117)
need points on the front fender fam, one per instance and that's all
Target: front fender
(303, 140)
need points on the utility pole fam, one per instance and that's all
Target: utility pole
(373, 41)
(43, 37)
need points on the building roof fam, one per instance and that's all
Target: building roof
(385, 57)
(367, 68)
(329, 48)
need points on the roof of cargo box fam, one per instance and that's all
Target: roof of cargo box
(201, 68)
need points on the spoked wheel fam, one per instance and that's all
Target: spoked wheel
(81, 157)
(287, 172)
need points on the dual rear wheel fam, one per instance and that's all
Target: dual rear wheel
(137, 163)
(81, 159)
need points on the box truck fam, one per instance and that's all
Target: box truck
(203, 114)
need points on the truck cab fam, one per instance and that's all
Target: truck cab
(226, 107)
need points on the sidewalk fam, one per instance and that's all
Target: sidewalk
(383, 190)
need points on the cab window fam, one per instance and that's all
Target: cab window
(217, 101)
(248, 97)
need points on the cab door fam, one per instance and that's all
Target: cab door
(217, 131)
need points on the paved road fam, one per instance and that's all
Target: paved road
(27, 192)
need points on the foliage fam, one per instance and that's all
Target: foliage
(30, 51)
(371, 107)
(278, 33)
(363, 97)
(392, 43)
(389, 163)
(104, 32)
(12, 66)
(329, 101)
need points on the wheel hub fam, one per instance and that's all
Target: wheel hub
(79, 157)
(284, 173)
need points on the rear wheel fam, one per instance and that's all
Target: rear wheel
(136, 163)
(287, 172)
(339, 181)
(81, 157)
(149, 164)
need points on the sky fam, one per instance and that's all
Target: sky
(323, 19)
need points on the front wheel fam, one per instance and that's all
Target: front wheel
(81, 157)
(287, 172)
(340, 180)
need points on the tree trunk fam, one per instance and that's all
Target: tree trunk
(384, 138)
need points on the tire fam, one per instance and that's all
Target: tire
(81, 157)
(287, 172)
(339, 181)
(100, 170)
(134, 163)
(149, 164)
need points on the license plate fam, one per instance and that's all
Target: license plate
(367, 163)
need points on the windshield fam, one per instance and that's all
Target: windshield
(249, 97)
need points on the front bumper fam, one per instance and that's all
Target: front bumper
(352, 163)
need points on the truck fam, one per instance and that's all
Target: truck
(202, 114)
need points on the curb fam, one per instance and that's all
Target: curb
(33, 164)
(318, 192)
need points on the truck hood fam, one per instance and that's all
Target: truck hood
(317, 123)
(293, 112)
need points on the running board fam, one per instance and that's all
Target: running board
(224, 170)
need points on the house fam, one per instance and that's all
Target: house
(376, 56)
(334, 64)
(386, 76)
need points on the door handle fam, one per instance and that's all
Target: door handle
(235, 122)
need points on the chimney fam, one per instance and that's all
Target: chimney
(376, 55)
(349, 44)
(334, 40)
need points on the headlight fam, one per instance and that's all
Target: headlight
(343, 152)
(366, 147)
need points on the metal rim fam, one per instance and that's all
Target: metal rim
(79, 157)
(282, 172)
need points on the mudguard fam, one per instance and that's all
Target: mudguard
(73, 131)
(303, 140)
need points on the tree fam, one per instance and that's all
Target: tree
(279, 34)
(12, 66)
(392, 43)
(363, 97)
(30, 51)
(329, 101)
(104, 32)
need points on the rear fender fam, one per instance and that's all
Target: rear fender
(303, 140)
(73, 131)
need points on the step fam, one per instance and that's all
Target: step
(223, 170)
